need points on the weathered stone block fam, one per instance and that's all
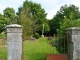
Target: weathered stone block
(73, 43)
(14, 40)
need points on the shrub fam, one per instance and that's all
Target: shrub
(36, 35)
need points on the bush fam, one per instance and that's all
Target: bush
(36, 35)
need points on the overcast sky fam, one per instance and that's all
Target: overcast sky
(50, 6)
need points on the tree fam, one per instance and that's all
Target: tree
(36, 14)
(10, 13)
(25, 21)
(67, 23)
(70, 12)
(3, 22)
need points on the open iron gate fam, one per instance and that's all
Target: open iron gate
(61, 44)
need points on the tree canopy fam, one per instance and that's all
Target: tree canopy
(36, 15)
(69, 11)
(10, 13)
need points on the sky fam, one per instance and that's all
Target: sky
(50, 6)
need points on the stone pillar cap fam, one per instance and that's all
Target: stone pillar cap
(13, 25)
(73, 28)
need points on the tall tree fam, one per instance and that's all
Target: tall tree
(26, 23)
(10, 13)
(36, 14)
(70, 12)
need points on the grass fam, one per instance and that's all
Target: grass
(0, 41)
(3, 52)
(37, 50)
(33, 50)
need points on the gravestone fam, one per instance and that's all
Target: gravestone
(14, 41)
(73, 35)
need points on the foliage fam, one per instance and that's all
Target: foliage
(36, 14)
(36, 35)
(53, 26)
(25, 21)
(3, 22)
(10, 13)
(67, 23)
(69, 11)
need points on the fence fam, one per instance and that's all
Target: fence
(60, 42)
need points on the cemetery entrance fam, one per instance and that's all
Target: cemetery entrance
(58, 48)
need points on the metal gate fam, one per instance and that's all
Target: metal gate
(60, 43)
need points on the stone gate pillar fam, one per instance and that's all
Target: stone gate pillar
(73, 35)
(14, 41)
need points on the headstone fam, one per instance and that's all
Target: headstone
(73, 35)
(14, 41)
(42, 36)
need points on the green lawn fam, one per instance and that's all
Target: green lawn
(33, 50)
(3, 52)
(0, 42)
(37, 50)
